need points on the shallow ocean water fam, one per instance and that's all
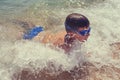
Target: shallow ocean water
(98, 59)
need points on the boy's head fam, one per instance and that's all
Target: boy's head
(76, 21)
(79, 25)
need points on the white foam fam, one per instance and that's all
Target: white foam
(105, 24)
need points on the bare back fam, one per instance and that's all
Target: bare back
(49, 37)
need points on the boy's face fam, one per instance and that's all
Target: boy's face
(80, 34)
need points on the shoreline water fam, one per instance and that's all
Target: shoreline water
(30, 56)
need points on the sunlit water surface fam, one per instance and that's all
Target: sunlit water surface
(96, 59)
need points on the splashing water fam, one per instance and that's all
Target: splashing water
(96, 59)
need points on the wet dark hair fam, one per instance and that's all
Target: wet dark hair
(75, 21)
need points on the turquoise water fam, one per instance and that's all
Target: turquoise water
(97, 59)
(10, 8)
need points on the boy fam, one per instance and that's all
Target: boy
(77, 28)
